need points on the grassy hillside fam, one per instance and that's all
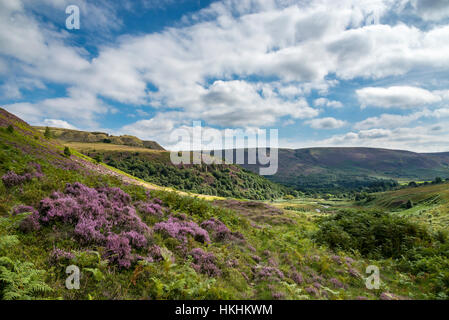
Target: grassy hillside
(156, 167)
(131, 242)
(344, 169)
(68, 135)
(428, 204)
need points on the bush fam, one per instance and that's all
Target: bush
(373, 234)
(67, 152)
(47, 133)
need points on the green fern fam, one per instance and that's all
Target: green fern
(20, 280)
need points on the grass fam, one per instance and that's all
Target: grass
(85, 147)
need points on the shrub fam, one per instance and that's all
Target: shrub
(204, 262)
(47, 133)
(180, 230)
(102, 216)
(118, 250)
(217, 228)
(373, 234)
(67, 152)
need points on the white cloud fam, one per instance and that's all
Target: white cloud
(326, 123)
(395, 120)
(58, 124)
(324, 102)
(79, 107)
(396, 97)
(431, 9)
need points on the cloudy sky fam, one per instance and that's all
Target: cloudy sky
(324, 72)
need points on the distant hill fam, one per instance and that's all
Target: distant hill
(330, 169)
(68, 135)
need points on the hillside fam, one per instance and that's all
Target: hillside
(68, 135)
(424, 203)
(345, 169)
(154, 166)
(131, 240)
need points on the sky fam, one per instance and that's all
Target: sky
(366, 73)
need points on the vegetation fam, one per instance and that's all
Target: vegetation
(217, 180)
(133, 243)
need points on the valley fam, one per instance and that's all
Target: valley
(134, 239)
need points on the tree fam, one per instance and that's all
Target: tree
(98, 158)
(10, 129)
(412, 184)
(47, 133)
(67, 152)
(438, 180)
(409, 204)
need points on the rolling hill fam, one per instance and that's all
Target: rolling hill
(343, 169)
(323, 170)
(68, 135)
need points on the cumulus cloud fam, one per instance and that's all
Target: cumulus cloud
(58, 124)
(326, 123)
(419, 139)
(324, 102)
(431, 9)
(396, 97)
(396, 120)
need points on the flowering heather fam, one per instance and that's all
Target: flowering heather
(354, 273)
(102, 216)
(278, 295)
(118, 250)
(136, 239)
(269, 273)
(272, 262)
(317, 285)
(180, 230)
(297, 277)
(155, 253)
(337, 283)
(217, 228)
(11, 179)
(251, 248)
(95, 213)
(312, 291)
(150, 209)
(266, 253)
(336, 259)
(157, 201)
(58, 255)
(204, 262)
(256, 258)
(22, 208)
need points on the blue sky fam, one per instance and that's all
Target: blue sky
(371, 73)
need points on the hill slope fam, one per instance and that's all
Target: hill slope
(156, 167)
(333, 169)
(68, 135)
